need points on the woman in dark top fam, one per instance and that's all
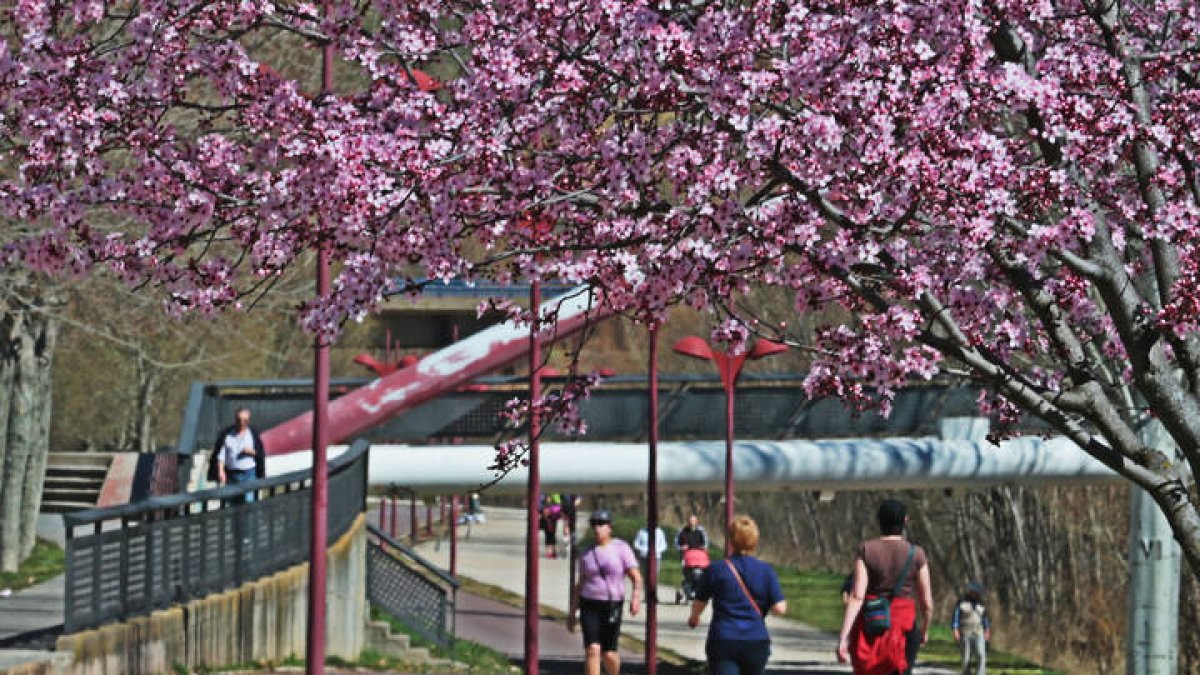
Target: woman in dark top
(877, 568)
(743, 589)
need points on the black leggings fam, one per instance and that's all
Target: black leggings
(601, 623)
(912, 645)
(548, 528)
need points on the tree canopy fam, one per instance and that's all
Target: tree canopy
(1000, 189)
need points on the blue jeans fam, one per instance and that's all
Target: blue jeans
(241, 521)
(243, 476)
(737, 657)
(974, 648)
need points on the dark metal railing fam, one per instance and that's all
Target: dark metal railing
(129, 560)
(411, 589)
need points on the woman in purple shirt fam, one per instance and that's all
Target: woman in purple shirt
(600, 595)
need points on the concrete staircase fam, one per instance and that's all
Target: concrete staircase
(381, 639)
(74, 480)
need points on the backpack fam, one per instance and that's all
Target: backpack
(970, 617)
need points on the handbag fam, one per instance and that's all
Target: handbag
(877, 611)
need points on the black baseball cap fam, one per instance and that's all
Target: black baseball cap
(600, 516)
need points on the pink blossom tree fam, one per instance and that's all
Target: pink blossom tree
(1001, 190)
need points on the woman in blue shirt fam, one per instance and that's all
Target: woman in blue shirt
(743, 589)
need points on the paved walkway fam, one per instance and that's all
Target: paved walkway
(39, 607)
(493, 553)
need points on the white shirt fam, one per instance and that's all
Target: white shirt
(235, 443)
(641, 542)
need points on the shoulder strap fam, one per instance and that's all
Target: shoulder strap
(912, 551)
(596, 559)
(742, 584)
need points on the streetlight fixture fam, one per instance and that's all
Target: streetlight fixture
(729, 367)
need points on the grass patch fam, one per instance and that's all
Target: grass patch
(46, 561)
(478, 658)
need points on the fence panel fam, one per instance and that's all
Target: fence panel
(411, 589)
(129, 560)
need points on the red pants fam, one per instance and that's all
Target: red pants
(883, 654)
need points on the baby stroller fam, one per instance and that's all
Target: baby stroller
(695, 560)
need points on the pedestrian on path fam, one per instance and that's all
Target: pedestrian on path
(880, 632)
(692, 542)
(641, 546)
(599, 596)
(551, 513)
(972, 628)
(742, 589)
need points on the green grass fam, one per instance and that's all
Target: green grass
(478, 658)
(46, 561)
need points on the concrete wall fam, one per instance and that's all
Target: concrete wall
(264, 620)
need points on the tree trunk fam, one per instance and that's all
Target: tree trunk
(814, 522)
(25, 347)
(9, 491)
(45, 335)
(963, 534)
(143, 424)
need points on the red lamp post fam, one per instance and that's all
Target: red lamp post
(453, 535)
(533, 487)
(319, 508)
(538, 226)
(729, 367)
(651, 581)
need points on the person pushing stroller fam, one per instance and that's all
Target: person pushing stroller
(692, 542)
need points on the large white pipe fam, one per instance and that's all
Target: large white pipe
(841, 464)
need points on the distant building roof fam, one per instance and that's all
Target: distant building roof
(457, 288)
(461, 296)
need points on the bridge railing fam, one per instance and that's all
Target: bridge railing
(410, 588)
(130, 560)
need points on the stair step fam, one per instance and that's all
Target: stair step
(417, 655)
(101, 459)
(380, 638)
(75, 495)
(73, 482)
(56, 506)
(77, 470)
